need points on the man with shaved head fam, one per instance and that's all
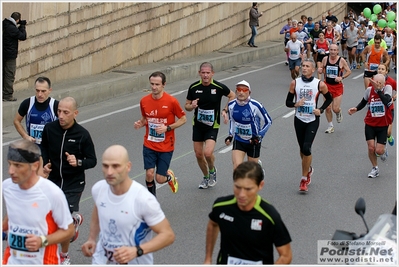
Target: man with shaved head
(124, 217)
(68, 150)
(378, 98)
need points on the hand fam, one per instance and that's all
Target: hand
(71, 159)
(352, 111)
(22, 22)
(377, 85)
(30, 138)
(47, 168)
(33, 242)
(225, 117)
(256, 140)
(88, 248)
(228, 140)
(160, 129)
(338, 79)
(301, 102)
(125, 254)
(138, 124)
(194, 103)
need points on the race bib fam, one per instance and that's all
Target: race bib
(377, 109)
(237, 261)
(109, 249)
(206, 117)
(152, 133)
(305, 110)
(243, 130)
(36, 131)
(294, 52)
(331, 72)
(373, 67)
(18, 249)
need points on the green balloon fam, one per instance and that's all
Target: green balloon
(392, 25)
(382, 23)
(367, 12)
(391, 16)
(377, 9)
(373, 17)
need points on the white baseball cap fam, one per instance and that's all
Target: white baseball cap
(244, 82)
(371, 23)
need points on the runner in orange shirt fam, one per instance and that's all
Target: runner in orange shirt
(158, 112)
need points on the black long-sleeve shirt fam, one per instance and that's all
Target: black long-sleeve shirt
(76, 141)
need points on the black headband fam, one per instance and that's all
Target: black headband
(21, 155)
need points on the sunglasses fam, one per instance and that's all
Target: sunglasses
(242, 89)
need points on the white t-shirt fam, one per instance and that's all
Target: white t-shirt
(125, 220)
(39, 210)
(294, 49)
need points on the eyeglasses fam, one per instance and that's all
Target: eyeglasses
(242, 89)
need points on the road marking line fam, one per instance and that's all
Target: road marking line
(289, 114)
(358, 76)
(227, 149)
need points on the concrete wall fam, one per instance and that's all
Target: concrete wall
(71, 40)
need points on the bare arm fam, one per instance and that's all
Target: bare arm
(225, 115)
(34, 242)
(5, 223)
(191, 104)
(386, 59)
(20, 129)
(344, 65)
(164, 128)
(165, 236)
(212, 232)
(89, 246)
(140, 123)
(285, 254)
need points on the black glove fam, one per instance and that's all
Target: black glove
(256, 140)
(228, 138)
(22, 22)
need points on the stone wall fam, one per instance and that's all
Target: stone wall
(71, 40)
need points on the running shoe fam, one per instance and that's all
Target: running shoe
(286, 63)
(310, 173)
(174, 185)
(204, 183)
(384, 156)
(339, 116)
(374, 173)
(77, 221)
(303, 186)
(65, 260)
(330, 129)
(212, 178)
(391, 140)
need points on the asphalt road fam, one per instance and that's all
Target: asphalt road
(340, 161)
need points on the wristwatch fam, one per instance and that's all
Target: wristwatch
(321, 110)
(168, 129)
(44, 241)
(79, 162)
(140, 251)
